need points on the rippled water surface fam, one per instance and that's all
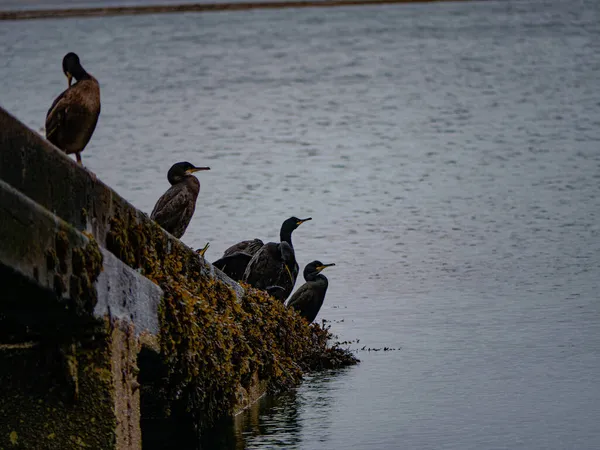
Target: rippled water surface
(449, 155)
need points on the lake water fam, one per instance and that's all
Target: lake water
(449, 155)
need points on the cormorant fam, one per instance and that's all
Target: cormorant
(73, 116)
(236, 258)
(249, 247)
(174, 210)
(275, 264)
(202, 251)
(308, 299)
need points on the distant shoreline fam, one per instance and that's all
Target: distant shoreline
(191, 7)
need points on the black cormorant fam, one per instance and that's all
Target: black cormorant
(275, 264)
(73, 116)
(174, 210)
(236, 258)
(249, 247)
(308, 299)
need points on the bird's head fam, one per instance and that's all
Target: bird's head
(312, 269)
(72, 67)
(202, 251)
(292, 223)
(180, 170)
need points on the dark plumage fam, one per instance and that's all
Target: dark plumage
(236, 258)
(277, 292)
(275, 264)
(308, 299)
(174, 210)
(249, 247)
(72, 118)
(234, 265)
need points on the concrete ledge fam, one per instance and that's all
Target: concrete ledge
(126, 295)
(71, 192)
(45, 250)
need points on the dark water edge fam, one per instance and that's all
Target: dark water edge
(190, 7)
(229, 433)
(274, 420)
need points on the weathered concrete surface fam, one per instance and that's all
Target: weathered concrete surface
(126, 295)
(68, 394)
(75, 385)
(45, 250)
(42, 249)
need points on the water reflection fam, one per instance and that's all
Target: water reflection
(280, 421)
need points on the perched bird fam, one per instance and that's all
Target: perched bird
(275, 264)
(249, 247)
(308, 299)
(73, 116)
(202, 251)
(236, 258)
(174, 210)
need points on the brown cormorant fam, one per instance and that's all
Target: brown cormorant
(73, 116)
(275, 264)
(308, 299)
(174, 210)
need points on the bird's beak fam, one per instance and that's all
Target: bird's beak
(202, 251)
(69, 78)
(301, 221)
(319, 268)
(196, 169)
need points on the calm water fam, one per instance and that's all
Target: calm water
(449, 155)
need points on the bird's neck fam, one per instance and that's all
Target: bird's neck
(321, 282)
(80, 74)
(190, 179)
(318, 279)
(286, 236)
(174, 180)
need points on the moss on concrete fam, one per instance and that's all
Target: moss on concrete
(214, 344)
(77, 392)
(57, 396)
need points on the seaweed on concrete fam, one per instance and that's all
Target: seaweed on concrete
(214, 344)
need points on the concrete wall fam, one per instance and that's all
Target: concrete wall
(73, 316)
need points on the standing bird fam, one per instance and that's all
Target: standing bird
(308, 299)
(275, 264)
(73, 116)
(174, 210)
